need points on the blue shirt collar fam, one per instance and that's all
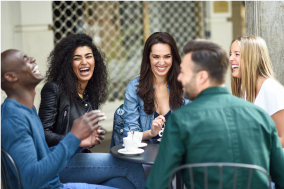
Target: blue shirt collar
(19, 105)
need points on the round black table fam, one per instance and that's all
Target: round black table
(147, 157)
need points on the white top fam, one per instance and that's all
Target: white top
(270, 97)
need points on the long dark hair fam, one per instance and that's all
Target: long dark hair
(145, 87)
(60, 69)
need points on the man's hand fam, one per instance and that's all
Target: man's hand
(157, 125)
(84, 126)
(94, 139)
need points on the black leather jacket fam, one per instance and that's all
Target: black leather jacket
(57, 112)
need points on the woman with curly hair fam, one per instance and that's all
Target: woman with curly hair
(253, 78)
(76, 83)
(77, 78)
(150, 98)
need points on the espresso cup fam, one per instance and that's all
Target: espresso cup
(138, 135)
(130, 144)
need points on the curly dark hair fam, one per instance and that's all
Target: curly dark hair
(60, 69)
(145, 87)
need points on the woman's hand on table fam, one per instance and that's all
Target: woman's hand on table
(157, 125)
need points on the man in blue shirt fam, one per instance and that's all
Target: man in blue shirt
(22, 134)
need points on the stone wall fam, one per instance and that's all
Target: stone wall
(266, 19)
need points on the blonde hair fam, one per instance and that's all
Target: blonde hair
(256, 62)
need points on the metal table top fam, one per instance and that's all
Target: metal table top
(147, 157)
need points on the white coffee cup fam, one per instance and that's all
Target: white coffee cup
(137, 136)
(130, 144)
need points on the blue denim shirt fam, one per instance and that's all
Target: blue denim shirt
(132, 114)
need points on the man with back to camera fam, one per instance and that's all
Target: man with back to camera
(22, 134)
(216, 127)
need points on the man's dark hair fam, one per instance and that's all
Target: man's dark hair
(210, 57)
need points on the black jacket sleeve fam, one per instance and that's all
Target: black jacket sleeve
(48, 111)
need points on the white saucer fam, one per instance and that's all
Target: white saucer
(127, 153)
(141, 145)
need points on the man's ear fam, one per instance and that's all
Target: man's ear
(203, 77)
(11, 76)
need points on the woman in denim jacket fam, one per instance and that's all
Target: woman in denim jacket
(150, 98)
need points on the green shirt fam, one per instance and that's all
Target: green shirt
(219, 127)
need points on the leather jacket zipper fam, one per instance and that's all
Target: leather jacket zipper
(88, 108)
(63, 121)
(65, 115)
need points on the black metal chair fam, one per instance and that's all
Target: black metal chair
(219, 165)
(5, 178)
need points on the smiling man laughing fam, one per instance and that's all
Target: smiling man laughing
(22, 134)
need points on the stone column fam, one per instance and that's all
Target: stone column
(266, 19)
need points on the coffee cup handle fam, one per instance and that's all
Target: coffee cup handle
(161, 132)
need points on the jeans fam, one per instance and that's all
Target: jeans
(103, 169)
(84, 186)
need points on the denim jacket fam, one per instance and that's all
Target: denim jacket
(132, 114)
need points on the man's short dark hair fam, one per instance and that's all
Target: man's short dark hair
(210, 57)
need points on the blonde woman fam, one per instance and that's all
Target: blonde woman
(253, 79)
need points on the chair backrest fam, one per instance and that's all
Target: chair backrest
(5, 178)
(219, 165)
